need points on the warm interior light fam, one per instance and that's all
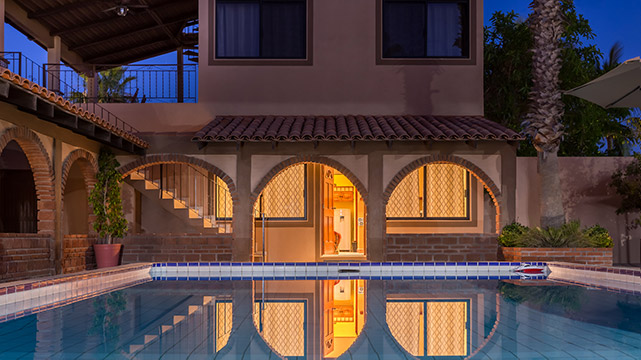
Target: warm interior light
(122, 10)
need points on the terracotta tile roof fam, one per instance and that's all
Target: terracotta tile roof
(75, 109)
(353, 127)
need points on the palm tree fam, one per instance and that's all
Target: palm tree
(112, 84)
(543, 121)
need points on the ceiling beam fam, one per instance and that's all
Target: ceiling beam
(128, 33)
(146, 55)
(62, 8)
(158, 20)
(106, 22)
(115, 54)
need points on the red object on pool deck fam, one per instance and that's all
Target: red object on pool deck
(530, 269)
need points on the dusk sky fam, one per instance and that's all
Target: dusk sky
(611, 21)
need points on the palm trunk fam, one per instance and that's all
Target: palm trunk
(552, 213)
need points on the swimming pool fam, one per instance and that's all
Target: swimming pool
(346, 317)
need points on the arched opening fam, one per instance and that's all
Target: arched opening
(441, 197)
(18, 203)
(165, 196)
(309, 212)
(75, 216)
(292, 316)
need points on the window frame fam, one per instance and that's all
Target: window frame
(472, 40)
(253, 61)
(468, 202)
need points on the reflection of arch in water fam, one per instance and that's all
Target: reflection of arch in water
(409, 322)
(283, 325)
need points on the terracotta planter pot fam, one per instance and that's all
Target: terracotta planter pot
(107, 255)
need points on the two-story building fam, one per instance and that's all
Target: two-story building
(308, 131)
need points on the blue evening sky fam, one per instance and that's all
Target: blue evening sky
(611, 20)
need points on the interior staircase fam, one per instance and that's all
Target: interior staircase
(199, 198)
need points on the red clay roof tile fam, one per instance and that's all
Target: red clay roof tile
(353, 127)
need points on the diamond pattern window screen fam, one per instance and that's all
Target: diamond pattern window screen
(435, 191)
(282, 326)
(223, 323)
(285, 197)
(223, 200)
(427, 328)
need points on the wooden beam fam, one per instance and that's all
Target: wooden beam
(146, 55)
(154, 15)
(120, 36)
(125, 51)
(54, 10)
(106, 22)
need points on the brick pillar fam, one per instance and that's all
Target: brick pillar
(242, 219)
(57, 190)
(375, 208)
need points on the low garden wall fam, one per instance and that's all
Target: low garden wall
(441, 247)
(587, 256)
(78, 253)
(24, 256)
(176, 248)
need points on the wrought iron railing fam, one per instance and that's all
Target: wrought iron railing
(153, 83)
(197, 189)
(19, 64)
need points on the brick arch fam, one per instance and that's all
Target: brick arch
(42, 171)
(156, 159)
(479, 174)
(88, 167)
(309, 159)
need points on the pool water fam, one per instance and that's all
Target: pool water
(346, 319)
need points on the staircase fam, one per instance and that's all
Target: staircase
(167, 329)
(197, 197)
(189, 36)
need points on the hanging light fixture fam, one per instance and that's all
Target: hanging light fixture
(122, 10)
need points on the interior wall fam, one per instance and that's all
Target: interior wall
(75, 213)
(587, 197)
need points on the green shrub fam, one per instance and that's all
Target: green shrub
(511, 235)
(599, 237)
(567, 235)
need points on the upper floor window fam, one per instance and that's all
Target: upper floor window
(261, 29)
(419, 29)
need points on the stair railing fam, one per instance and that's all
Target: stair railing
(195, 188)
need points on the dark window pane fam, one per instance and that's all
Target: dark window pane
(404, 29)
(284, 30)
(237, 29)
(445, 30)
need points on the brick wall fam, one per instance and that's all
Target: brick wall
(587, 256)
(177, 248)
(25, 256)
(78, 253)
(441, 247)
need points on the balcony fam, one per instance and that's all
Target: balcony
(110, 83)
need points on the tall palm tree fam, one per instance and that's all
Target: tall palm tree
(543, 121)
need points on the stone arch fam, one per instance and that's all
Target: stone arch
(89, 168)
(156, 159)
(42, 169)
(479, 174)
(309, 159)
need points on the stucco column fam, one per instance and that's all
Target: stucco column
(508, 184)
(57, 190)
(242, 218)
(53, 69)
(375, 208)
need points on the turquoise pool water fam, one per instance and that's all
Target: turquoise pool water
(349, 319)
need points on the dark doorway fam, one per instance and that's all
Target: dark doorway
(18, 202)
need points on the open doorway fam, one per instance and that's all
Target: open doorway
(309, 212)
(343, 315)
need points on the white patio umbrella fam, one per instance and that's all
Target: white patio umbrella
(618, 88)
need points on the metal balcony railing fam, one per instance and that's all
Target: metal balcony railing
(21, 65)
(202, 192)
(154, 83)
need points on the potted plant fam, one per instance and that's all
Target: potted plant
(105, 199)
